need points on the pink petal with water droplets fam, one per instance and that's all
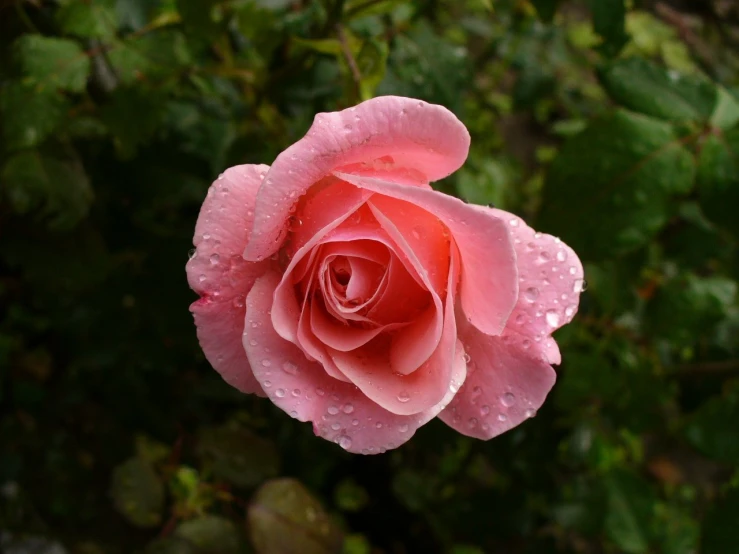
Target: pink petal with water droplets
(416, 138)
(339, 411)
(550, 282)
(489, 279)
(505, 385)
(222, 277)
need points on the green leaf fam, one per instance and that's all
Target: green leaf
(132, 116)
(720, 531)
(210, 534)
(372, 64)
(630, 510)
(88, 19)
(546, 8)
(138, 493)
(644, 87)
(54, 62)
(726, 113)
(718, 179)
(170, 545)
(624, 170)
(284, 517)
(29, 113)
(609, 21)
(687, 307)
(238, 456)
(712, 428)
(197, 17)
(157, 55)
(52, 184)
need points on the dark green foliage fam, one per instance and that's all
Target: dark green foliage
(611, 126)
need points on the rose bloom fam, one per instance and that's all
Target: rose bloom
(341, 286)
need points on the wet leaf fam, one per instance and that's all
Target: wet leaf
(138, 493)
(284, 518)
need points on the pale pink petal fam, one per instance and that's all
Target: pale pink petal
(327, 210)
(340, 412)
(340, 336)
(505, 385)
(418, 137)
(489, 280)
(368, 366)
(421, 231)
(550, 282)
(412, 346)
(221, 276)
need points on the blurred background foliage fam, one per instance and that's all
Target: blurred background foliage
(612, 124)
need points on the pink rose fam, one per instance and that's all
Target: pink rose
(341, 286)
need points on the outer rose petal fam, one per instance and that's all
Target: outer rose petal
(222, 277)
(302, 388)
(505, 385)
(416, 136)
(550, 281)
(489, 281)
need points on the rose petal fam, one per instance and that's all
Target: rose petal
(505, 385)
(368, 367)
(419, 137)
(328, 209)
(550, 282)
(340, 412)
(489, 280)
(221, 276)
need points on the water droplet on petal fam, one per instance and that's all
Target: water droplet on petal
(472, 422)
(403, 397)
(267, 384)
(485, 410)
(332, 410)
(296, 392)
(266, 362)
(513, 222)
(355, 422)
(201, 278)
(290, 368)
(530, 412)
(508, 399)
(280, 393)
(403, 428)
(378, 425)
(214, 259)
(320, 392)
(502, 417)
(561, 255)
(552, 318)
(348, 408)
(345, 442)
(336, 426)
(531, 294)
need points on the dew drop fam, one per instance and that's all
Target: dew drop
(348, 408)
(531, 294)
(345, 442)
(293, 413)
(403, 397)
(290, 368)
(477, 391)
(201, 278)
(378, 425)
(552, 318)
(403, 428)
(320, 392)
(507, 399)
(544, 256)
(253, 342)
(192, 253)
(333, 410)
(573, 270)
(530, 412)
(355, 422)
(267, 384)
(472, 422)
(579, 285)
(266, 362)
(336, 426)
(502, 417)
(296, 392)
(485, 410)
(520, 319)
(513, 222)
(570, 310)
(467, 358)
(416, 233)
(280, 393)
(561, 255)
